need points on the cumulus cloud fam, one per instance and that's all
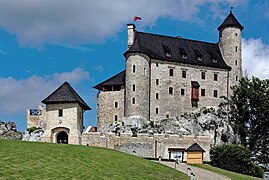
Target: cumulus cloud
(85, 21)
(255, 58)
(17, 95)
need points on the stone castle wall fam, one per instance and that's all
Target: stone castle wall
(230, 44)
(107, 110)
(178, 103)
(33, 120)
(137, 86)
(145, 146)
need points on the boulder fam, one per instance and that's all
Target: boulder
(9, 131)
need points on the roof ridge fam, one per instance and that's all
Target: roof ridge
(177, 38)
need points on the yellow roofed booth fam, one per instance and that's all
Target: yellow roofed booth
(195, 154)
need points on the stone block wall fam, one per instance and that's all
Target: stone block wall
(137, 74)
(70, 122)
(145, 146)
(33, 120)
(106, 109)
(175, 104)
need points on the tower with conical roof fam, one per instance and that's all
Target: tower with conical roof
(230, 43)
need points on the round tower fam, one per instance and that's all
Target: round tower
(137, 85)
(230, 43)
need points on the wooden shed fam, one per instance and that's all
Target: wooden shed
(195, 154)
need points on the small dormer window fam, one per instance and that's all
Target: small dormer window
(213, 56)
(168, 54)
(199, 55)
(167, 51)
(183, 53)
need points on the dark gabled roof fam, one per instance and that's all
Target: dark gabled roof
(195, 147)
(230, 21)
(65, 94)
(153, 45)
(118, 79)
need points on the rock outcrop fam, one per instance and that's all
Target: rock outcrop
(35, 136)
(208, 121)
(9, 131)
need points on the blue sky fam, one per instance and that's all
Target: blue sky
(45, 42)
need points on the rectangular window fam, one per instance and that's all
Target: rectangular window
(157, 81)
(133, 100)
(60, 113)
(215, 93)
(215, 77)
(157, 64)
(236, 62)
(116, 104)
(116, 117)
(236, 78)
(202, 75)
(170, 90)
(133, 68)
(157, 95)
(171, 72)
(167, 115)
(184, 74)
(236, 48)
(157, 110)
(202, 92)
(182, 92)
(133, 87)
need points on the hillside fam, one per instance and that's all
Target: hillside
(30, 160)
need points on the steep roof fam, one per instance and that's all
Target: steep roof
(230, 21)
(155, 46)
(118, 79)
(195, 147)
(65, 94)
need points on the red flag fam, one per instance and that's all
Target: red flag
(136, 18)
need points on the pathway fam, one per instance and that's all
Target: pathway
(200, 174)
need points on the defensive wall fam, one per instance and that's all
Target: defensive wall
(146, 145)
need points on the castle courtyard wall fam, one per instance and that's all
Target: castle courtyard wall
(144, 145)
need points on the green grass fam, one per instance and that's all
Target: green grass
(230, 174)
(29, 160)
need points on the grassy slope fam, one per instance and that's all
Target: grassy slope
(43, 160)
(231, 175)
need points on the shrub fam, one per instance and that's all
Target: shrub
(234, 158)
(32, 129)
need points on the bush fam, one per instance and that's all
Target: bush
(234, 158)
(32, 129)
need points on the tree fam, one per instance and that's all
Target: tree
(249, 108)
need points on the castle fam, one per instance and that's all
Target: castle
(164, 78)
(167, 76)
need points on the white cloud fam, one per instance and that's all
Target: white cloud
(83, 21)
(17, 95)
(256, 58)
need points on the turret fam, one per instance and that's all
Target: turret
(137, 78)
(230, 43)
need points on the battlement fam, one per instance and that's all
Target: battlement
(146, 145)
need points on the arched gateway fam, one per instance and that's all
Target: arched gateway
(62, 137)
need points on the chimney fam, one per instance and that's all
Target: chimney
(131, 34)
